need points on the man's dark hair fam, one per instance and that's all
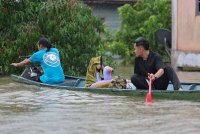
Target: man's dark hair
(141, 41)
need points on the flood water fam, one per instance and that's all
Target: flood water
(33, 110)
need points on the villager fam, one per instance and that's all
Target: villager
(49, 60)
(97, 75)
(150, 63)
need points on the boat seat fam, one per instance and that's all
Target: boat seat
(192, 87)
(68, 82)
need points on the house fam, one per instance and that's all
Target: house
(185, 34)
(107, 10)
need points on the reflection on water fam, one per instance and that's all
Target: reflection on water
(30, 109)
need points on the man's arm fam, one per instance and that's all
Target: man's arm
(158, 74)
(22, 63)
(136, 68)
(159, 66)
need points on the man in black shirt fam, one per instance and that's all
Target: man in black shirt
(150, 63)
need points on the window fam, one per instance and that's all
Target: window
(198, 7)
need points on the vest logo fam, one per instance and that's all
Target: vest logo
(51, 59)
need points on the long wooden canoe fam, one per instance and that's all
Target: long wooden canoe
(191, 91)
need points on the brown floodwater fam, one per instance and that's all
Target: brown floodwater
(34, 110)
(30, 109)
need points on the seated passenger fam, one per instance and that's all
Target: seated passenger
(98, 76)
(150, 63)
(49, 60)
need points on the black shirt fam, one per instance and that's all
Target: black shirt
(151, 65)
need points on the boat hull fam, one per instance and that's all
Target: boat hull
(190, 92)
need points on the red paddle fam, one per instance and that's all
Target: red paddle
(148, 96)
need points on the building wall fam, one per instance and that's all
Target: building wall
(188, 26)
(109, 13)
(185, 34)
(109, 1)
(108, 10)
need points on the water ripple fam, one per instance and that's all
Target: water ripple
(30, 109)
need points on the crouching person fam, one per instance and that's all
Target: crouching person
(150, 63)
(98, 76)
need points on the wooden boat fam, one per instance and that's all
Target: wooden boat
(191, 90)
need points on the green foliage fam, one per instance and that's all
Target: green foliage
(16, 29)
(119, 48)
(68, 25)
(142, 19)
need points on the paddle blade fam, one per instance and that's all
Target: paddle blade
(148, 98)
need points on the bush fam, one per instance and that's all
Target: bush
(142, 19)
(68, 24)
